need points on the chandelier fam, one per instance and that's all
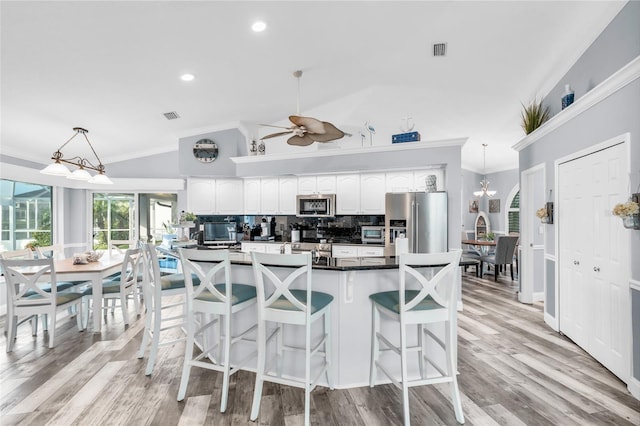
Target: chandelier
(59, 169)
(484, 183)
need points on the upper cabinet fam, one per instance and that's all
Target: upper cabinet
(215, 196)
(269, 195)
(201, 196)
(229, 196)
(321, 184)
(288, 187)
(252, 196)
(360, 193)
(413, 180)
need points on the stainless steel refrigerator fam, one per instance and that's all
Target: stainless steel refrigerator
(421, 217)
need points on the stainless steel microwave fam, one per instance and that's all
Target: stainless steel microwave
(316, 205)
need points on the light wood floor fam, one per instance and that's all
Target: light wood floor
(514, 370)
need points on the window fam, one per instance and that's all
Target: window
(513, 214)
(113, 218)
(25, 216)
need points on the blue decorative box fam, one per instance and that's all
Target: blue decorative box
(405, 137)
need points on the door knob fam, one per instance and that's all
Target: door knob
(596, 269)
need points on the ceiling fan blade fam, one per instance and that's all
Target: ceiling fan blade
(300, 140)
(273, 135)
(311, 124)
(331, 133)
(277, 127)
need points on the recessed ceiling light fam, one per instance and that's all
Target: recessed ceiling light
(187, 77)
(259, 26)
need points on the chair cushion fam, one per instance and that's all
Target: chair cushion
(391, 300)
(318, 301)
(107, 287)
(239, 293)
(172, 281)
(61, 298)
(61, 286)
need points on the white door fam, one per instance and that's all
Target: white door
(348, 194)
(594, 257)
(229, 196)
(288, 189)
(531, 265)
(269, 195)
(252, 196)
(201, 196)
(372, 193)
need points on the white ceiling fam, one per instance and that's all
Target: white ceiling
(114, 67)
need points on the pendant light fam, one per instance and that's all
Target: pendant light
(57, 168)
(484, 183)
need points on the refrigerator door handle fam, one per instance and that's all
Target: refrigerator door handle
(416, 233)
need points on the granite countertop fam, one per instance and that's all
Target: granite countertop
(335, 263)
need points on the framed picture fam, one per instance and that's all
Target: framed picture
(494, 206)
(473, 206)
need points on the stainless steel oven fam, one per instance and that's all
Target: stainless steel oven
(372, 234)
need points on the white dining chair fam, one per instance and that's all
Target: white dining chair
(164, 302)
(419, 301)
(122, 287)
(220, 299)
(27, 297)
(280, 304)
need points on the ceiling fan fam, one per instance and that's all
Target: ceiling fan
(306, 130)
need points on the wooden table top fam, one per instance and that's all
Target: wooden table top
(105, 262)
(479, 242)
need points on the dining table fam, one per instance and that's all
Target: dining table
(483, 244)
(94, 272)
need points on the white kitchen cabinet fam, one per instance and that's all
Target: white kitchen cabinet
(257, 247)
(344, 251)
(288, 189)
(252, 196)
(368, 251)
(400, 181)
(321, 184)
(201, 196)
(419, 177)
(269, 195)
(372, 192)
(326, 184)
(348, 194)
(273, 248)
(229, 196)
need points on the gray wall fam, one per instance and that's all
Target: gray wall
(502, 182)
(614, 116)
(231, 143)
(154, 166)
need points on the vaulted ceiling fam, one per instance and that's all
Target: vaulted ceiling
(113, 67)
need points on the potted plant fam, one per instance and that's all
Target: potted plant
(533, 116)
(628, 212)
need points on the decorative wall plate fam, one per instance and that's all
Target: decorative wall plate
(205, 150)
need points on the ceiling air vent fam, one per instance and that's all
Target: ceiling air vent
(440, 49)
(171, 115)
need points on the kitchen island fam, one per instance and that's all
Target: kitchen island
(350, 281)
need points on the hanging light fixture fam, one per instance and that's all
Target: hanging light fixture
(484, 183)
(59, 169)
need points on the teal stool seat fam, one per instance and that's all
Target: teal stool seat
(318, 301)
(391, 300)
(239, 293)
(173, 281)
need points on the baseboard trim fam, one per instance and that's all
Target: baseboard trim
(551, 322)
(634, 387)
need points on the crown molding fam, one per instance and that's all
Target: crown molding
(611, 85)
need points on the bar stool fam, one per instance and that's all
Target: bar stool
(433, 301)
(279, 304)
(159, 294)
(218, 300)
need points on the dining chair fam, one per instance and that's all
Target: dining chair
(504, 254)
(162, 298)
(420, 301)
(27, 297)
(21, 254)
(281, 305)
(121, 287)
(56, 252)
(215, 300)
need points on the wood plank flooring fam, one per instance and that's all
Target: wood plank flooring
(514, 370)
